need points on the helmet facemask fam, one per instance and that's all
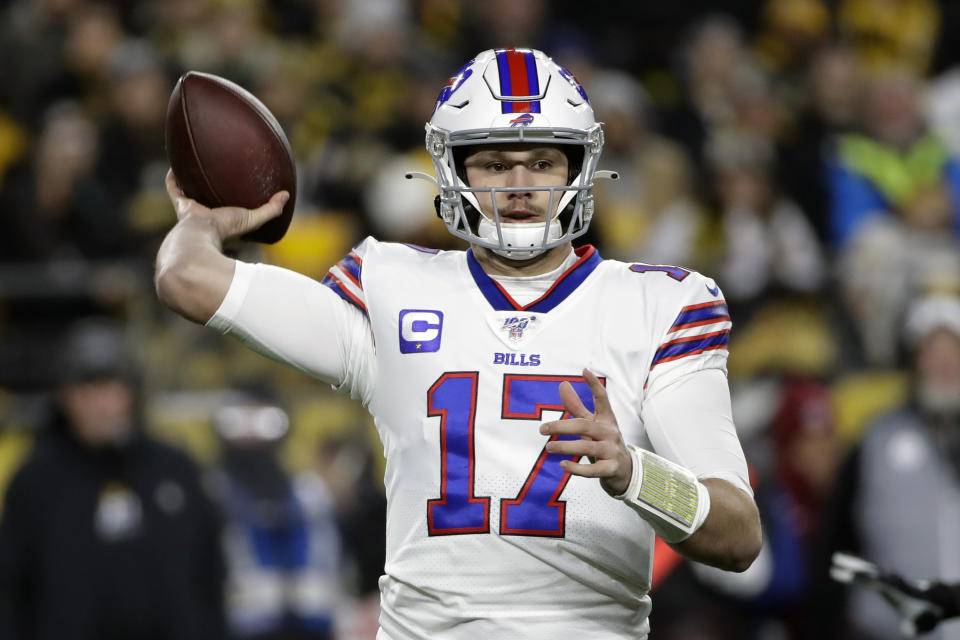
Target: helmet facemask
(570, 206)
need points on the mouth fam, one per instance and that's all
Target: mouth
(520, 215)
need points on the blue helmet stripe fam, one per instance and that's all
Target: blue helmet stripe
(534, 81)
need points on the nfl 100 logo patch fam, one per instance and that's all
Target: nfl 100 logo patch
(515, 326)
(515, 329)
(420, 330)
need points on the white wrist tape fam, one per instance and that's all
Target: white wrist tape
(666, 495)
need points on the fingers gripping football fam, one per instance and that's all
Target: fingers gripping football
(599, 440)
(229, 222)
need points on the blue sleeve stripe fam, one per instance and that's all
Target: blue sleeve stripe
(682, 347)
(701, 314)
(352, 265)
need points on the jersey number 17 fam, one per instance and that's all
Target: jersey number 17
(537, 509)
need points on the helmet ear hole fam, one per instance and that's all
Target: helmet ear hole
(459, 162)
(473, 216)
(566, 215)
(574, 161)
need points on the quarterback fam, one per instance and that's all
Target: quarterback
(544, 412)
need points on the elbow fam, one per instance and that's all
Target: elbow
(739, 566)
(192, 275)
(742, 556)
(177, 284)
(169, 280)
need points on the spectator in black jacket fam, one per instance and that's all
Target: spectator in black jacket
(106, 533)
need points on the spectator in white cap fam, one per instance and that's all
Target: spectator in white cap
(933, 334)
(898, 496)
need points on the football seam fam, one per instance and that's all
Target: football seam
(193, 150)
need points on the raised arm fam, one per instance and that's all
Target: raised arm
(274, 311)
(193, 275)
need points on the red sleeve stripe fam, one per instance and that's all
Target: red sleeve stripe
(343, 270)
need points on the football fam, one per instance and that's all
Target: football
(227, 149)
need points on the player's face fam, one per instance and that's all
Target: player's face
(519, 165)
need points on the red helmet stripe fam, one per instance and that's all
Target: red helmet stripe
(518, 77)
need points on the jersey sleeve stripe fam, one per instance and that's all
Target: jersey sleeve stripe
(682, 347)
(417, 247)
(698, 323)
(701, 314)
(705, 305)
(343, 291)
(351, 265)
(347, 280)
(343, 272)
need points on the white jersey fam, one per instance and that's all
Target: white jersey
(486, 535)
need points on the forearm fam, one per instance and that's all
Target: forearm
(730, 537)
(708, 520)
(192, 274)
(690, 423)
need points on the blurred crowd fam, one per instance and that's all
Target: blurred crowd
(804, 153)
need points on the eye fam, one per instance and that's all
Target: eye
(542, 165)
(496, 166)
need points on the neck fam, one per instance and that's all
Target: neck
(496, 265)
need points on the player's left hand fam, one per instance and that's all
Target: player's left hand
(600, 438)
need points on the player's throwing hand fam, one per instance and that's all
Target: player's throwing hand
(229, 222)
(600, 438)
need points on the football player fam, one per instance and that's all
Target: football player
(544, 412)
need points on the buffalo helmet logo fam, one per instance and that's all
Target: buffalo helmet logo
(522, 120)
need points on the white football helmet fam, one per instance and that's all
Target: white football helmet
(509, 96)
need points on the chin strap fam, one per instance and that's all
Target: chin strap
(522, 240)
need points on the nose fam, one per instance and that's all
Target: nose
(519, 176)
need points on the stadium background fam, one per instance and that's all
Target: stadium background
(736, 131)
